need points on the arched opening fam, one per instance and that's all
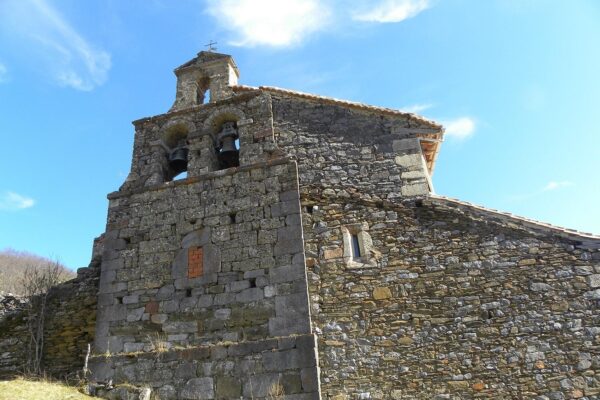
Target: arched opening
(203, 91)
(228, 145)
(181, 175)
(177, 151)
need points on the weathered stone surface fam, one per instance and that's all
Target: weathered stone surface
(381, 293)
(228, 388)
(198, 389)
(453, 291)
(438, 299)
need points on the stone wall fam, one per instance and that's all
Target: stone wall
(69, 326)
(13, 335)
(450, 303)
(251, 370)
(211, 259)
(346, 153)
(71, 322)
(253, 285)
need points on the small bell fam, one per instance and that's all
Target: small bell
(228, 152)
(178, 159)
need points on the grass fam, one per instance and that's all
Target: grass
(22, 389)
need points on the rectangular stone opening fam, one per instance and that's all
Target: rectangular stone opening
(195, 262)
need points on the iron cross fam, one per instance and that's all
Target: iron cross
(210, 46)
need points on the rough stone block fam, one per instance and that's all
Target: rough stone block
(381, 293)
(248, 295)
(132, 347)
(205, 301)
(310, 379)
(593, 280)
(419, 189)
(135, 314)
(259, 385)
(409, 160)
(180, 327)
(185, 370)
(239, 285)
(286, 273)
(288, 325)
(285, 246)
(167, 392)
(297, 302)
(158, 318)
(198, 389)
(228, 388)
(132, 299)
(288, 359)
(406, 145)
(291, 383)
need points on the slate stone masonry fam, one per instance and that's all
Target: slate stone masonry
(323, 265)
(212, 264)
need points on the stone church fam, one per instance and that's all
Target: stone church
(272, 244)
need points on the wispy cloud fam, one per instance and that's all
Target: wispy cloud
(542, 191)
(387, 11)
(70, 58)
(459, 128)
(11, 201)
(280, 23)
(553, 185)
(270, 22)
(3, 73)
(416, 108)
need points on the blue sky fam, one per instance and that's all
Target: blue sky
(514, 81)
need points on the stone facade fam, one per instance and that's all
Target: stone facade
(210, 266)
(451, 306)
(305, 251)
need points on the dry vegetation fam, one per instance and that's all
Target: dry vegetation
(21, 389)
(14, 264)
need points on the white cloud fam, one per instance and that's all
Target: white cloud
(459, 128)
(416, 108)
(70, 58)
(3, 73)
(11, 201)
(270, 22)
(553, 185)
(387, 11)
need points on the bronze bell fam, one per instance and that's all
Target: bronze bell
(178, 159)
(228, 144)
(227, 152)
(227, 137)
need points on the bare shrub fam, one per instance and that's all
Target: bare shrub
(36, 283)
(158, 342)
(13, 265)
(275, 392)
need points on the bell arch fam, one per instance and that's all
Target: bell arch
(223, 125)
(174, 140)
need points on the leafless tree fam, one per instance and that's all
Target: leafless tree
(36, 283)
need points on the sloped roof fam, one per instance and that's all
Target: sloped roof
(512, 219)
(205, 57)
(430, 139)
(352, 104)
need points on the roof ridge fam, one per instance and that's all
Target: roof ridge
(360, 105)
(527, 221)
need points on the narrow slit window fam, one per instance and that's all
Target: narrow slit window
(355, 246)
